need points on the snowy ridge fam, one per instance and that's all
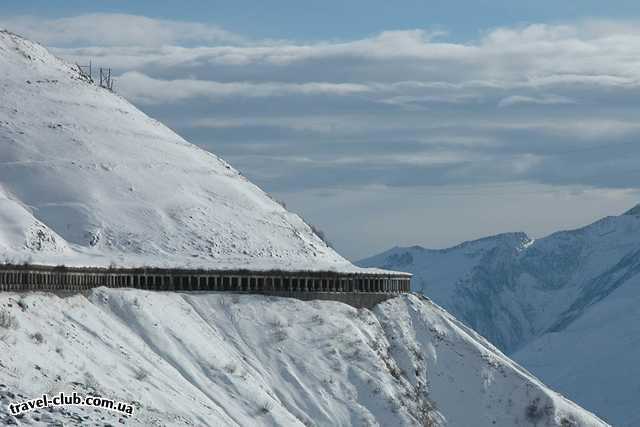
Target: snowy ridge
(88, 179)
(216, 359)
(555, 304)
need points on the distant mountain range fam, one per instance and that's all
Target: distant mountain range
(566, 306)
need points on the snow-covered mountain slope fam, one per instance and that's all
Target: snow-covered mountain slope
(220, 359)
(88, 179)
(566, 304)
(595, 358)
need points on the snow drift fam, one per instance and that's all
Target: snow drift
(221, 359)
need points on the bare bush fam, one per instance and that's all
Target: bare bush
(141, 374)
(37, 338)
(568, 422)
(90, 383)
(266, 407)
(396, 372)
(7, 320)
(280, 334)
(276, 324)
(535, 412)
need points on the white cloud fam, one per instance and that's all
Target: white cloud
(102, 29)
(539, 100)
(148, 90)
(426, 108)
(394, 112)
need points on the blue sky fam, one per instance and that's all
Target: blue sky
(426, 123)
(341, 19)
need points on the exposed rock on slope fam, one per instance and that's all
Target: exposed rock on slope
(566, 304)
(219, 359)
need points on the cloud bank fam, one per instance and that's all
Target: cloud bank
(518, 110)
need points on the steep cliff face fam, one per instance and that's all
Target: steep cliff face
(88, 179)
(565, 305)
(220, 359)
